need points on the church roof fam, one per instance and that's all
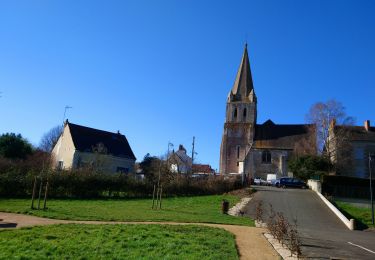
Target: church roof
(243, 85)
(86, 139)
(274, 136)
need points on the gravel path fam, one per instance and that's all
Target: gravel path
(250, 241)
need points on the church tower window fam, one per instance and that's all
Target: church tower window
(238, 152)
(235, 113)
(266, 157)
(244, 112)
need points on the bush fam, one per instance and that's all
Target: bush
(309, 166)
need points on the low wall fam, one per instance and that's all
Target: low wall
(315, 185)
(349, 223)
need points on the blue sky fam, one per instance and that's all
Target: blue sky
(160, 71)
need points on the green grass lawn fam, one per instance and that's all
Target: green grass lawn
(180, 209)
(363, 215)
(117, 242)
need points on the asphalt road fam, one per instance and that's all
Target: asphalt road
(323, 235)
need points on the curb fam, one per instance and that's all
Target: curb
(238, 208)
(349, 223)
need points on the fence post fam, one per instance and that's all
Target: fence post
(33, 195)
(40, 191)
(45, 196)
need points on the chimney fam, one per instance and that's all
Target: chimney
(367, 125)
(181, 148)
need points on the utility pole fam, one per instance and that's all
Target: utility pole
(370, 158)
(192, 151)
(192, 155)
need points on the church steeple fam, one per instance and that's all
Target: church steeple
(243, 89)
(240, 121)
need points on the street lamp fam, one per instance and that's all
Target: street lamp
(169, 145)
(370, 158)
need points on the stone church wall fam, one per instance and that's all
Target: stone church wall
(277, 166)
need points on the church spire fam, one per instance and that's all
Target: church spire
(243, 89)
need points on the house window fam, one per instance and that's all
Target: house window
(244, 112)
(235, 113)
(238, 151)
(122, 170)
(266, 157)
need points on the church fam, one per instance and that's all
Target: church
(258, 149)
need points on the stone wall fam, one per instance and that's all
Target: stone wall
(277, 166)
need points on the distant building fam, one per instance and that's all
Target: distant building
(80, 146)
(257, 149)
(203, 169)
(350, 147)
(180, 162)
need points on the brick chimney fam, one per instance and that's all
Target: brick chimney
(367, 125)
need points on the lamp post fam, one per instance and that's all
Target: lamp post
(370, 158)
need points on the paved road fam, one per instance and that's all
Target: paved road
(323, 235)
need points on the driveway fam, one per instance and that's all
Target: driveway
(323, 235)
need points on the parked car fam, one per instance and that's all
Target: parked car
(292, 183)
(275, 182)
(259, 181)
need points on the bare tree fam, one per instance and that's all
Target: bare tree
(307, 144)
(323, 114)
(50, 138)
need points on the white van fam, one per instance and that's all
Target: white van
(270, 178)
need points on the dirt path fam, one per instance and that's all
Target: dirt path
(250, 241)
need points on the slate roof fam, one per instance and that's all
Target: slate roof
(243, 85)
(357, 133)
(86, 138)
(274, 136)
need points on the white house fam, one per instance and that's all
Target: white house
(80, 146)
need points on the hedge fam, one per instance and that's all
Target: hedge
(349, 187)
(84, 184)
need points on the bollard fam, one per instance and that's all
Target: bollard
(225, 206)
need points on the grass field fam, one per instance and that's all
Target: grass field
(117, 242)
(180, 209)
(363, 215)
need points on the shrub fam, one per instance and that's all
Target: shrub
(309, 166)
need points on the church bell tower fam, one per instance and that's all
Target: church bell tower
(241, 113)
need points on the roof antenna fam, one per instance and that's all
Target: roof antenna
(66, 108)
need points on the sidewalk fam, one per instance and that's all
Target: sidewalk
(251, 244)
